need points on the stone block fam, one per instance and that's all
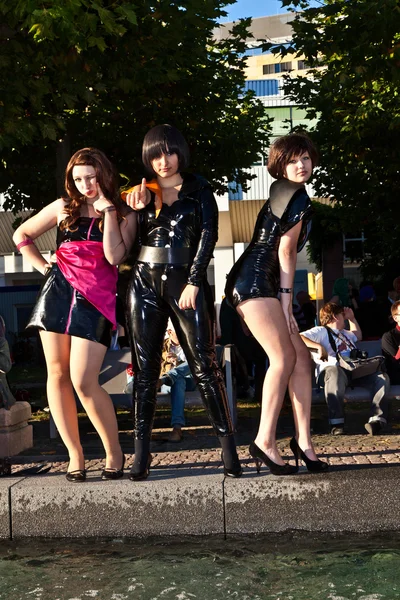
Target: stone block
(14, 441)
(16, 434)
(18, 413)
(169, 503)
(346, 499)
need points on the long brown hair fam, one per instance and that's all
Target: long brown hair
(106, 177)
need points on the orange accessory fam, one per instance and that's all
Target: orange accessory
(153, 187)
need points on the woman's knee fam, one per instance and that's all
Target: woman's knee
(58, 374)
(284, 363)
(303, 360)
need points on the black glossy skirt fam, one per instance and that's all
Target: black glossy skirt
(62, 309)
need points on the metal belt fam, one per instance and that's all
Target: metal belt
(171, 256)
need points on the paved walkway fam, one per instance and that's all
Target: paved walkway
(199, 448)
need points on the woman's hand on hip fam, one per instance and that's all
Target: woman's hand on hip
(188, 297)
(139, 197)
(290, 320)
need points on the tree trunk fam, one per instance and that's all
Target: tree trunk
(332, 267)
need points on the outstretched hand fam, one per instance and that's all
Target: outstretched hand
(139, 197)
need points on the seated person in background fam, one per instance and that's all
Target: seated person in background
(371, 315)
(391, 346)
(333, 378)
(175, 373)
(235, 331)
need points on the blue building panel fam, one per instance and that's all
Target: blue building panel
(263, 87)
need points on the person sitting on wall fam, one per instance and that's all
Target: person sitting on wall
(175, 374)
(391, 346)
(334, 378)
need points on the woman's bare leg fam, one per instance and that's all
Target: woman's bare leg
(300, 392)
(85, 364)
(60, 394)
(265, 319)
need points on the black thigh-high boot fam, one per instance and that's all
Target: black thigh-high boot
(141, 465)
(232, 467)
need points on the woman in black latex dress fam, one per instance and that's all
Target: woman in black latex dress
(75, 310)
(260, 287)
(177, 232)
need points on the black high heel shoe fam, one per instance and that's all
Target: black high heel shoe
(313, 466)
(141, 475)
(236, 471)
(114, 473)
(260, 457)
(78, 476)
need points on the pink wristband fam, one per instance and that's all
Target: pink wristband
(26, 242)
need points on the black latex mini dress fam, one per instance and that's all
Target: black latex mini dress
(60, 308)
(256, 274)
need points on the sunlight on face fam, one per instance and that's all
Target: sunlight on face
(166, 165)
(84, 177)
(299, 168)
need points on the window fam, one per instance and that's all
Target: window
(277, 68)
(283, 67)
(268, 69)
(301, 65)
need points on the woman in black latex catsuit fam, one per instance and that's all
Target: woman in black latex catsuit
(265, 270)
(177, 237)
(75, 310)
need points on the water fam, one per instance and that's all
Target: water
(279, 567)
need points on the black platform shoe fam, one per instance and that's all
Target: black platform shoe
(260, 457)
(313, 466)
(236, 469)
(114, 473)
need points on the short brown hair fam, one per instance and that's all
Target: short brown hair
(329, 311)
(394, 307)
(287, 147)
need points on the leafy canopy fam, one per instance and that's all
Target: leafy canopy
(355, 95)
(99, 73)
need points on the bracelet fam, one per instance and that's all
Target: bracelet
(108, 209)
(285, 290)
(27, 242)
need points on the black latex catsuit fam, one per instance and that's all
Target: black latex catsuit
(190, 223)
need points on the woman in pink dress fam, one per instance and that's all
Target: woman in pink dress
(75, 310)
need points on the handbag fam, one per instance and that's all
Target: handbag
(356, 367)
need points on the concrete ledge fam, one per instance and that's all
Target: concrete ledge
(5, 486)
(169, 503)
(348, 499)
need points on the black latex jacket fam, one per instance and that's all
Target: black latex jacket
(190, 222)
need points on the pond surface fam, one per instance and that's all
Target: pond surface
(277, 567)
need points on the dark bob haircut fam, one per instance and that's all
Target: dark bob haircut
(162, 139)
(287, 147)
